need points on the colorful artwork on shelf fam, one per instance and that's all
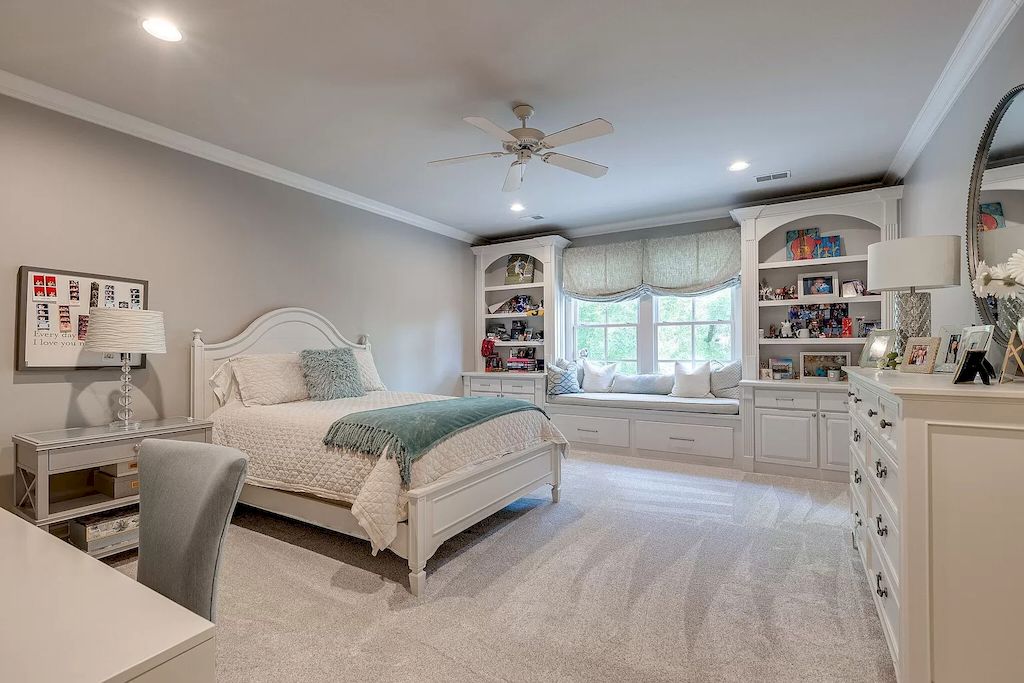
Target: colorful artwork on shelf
(519, 270)
(991, 217)
(781, 368)
(800, 244)
(827, 247)
(820, 320)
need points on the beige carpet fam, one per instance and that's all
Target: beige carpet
(645, 571)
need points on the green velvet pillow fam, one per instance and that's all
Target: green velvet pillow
(331, 373)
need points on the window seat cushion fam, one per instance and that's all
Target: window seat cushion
(714, 406)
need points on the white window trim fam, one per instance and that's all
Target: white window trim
(646, 333)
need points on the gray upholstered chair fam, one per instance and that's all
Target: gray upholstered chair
(187, 494)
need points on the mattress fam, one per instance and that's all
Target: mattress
(284, 443)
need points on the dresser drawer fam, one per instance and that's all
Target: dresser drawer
(606, 431)
(833, 402)
(81, 457)
(885, 474)
(857, 438)
(859, 516)
(887, 598)
(885, 530)
(862, 401)
(780, 398)
(485, 384)
(714, 442)
(859, 475)
(517, 386)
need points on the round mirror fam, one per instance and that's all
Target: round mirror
(995, 209)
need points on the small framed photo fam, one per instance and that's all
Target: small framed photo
(977, 338)
(880, 343)
(852, 288)
(919, 355)
(781, 368)
(815, 365)
(817, 286)
(950, 348)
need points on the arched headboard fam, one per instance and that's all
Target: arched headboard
(285, 330)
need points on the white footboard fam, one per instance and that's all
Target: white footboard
(444, 508)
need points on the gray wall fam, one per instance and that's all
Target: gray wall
(219, 247)
(935, 196)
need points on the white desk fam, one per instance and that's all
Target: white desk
(69, 617)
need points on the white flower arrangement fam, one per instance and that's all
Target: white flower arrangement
(1003, 280)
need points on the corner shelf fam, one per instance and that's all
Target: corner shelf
(490, 316)
(813, 262)
(829, 300)
(814, 341)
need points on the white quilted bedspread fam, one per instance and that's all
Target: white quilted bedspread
(284, 443)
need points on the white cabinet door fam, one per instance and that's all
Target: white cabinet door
(834, 441)
(786, 437)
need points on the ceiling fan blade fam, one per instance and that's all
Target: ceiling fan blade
(470, 157)
(584, 131)
(514, 177)
(491, 128)
(576, 165)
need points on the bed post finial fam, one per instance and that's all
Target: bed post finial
(197, 336)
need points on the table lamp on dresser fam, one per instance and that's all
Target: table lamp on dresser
(125, 331)
(910, 264)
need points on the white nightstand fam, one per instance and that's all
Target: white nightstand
(53, 469)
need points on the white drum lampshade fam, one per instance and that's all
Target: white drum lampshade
(125, 331)
(910, 264)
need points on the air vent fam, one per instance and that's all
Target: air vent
(532, 218)
(782, 175)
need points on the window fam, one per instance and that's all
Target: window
(651, 333)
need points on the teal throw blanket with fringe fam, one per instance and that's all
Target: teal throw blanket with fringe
(407, 432)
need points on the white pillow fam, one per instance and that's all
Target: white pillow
(368, 371)
(725, 380)
(597, 378)
(224, 384)
(695, 383)
(270, 378)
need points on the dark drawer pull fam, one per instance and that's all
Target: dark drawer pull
(581, 429)
(879, 591)
(879, 529)
(850, 394)
(883, 423)
(856, 435)
(856, 399)
(856, 477)
(857, 519)
(679, 438)
(881, 471)
(872, 413)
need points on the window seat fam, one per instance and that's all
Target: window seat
(712, 406)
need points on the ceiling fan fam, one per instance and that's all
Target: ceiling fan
(524, 143)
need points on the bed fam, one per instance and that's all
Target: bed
(461, 481)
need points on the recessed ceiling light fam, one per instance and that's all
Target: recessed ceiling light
(162, 29)
(517, 207)
(739, 166)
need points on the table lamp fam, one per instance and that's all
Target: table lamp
(125, 331)
(910, 264)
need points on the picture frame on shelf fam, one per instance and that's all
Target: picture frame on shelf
(950, 348)
(817, 286)
(977, 338)
(815, 365)
(520, 270)
(919, 355)
(781, 368)
(880, 343)
(972, 364)
(1013, 360)
(852, 289)
(827, 246)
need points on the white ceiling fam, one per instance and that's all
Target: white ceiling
(361, 95)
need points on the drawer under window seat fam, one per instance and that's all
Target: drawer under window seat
(707, 406)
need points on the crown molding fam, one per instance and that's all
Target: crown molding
(981, 34)
(650, 222)
(41, 95)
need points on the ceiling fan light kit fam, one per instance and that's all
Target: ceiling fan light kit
(524, 143)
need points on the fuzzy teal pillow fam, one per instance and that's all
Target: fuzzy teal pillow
(331, 373)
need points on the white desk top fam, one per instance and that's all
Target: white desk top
(69, 617)
(937, 385)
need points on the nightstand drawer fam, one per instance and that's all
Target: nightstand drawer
(81, 457)
(485, 384)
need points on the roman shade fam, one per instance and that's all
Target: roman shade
(685, 265)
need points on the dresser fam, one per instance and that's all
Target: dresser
(528, 386)
(936, 477)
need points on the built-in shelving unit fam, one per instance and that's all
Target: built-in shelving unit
(833, 300)
(815, 262)
(812, 341)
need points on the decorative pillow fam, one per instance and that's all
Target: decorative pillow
(643, 384)
(563, 380)
(725, 380)
(368, 371)
(695, 383)
(269, 379)
(224, 384)
(598, 377)
(331, 373)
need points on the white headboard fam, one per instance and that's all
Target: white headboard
(280, 331)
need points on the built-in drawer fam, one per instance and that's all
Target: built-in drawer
(885, 473)
(780, 398)
(833, 402)
(492, 394)
(517, 386)
(887, 598)
(606, 431)
(886, 531)
(81, 457)
(714, 442)
(485, 384)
